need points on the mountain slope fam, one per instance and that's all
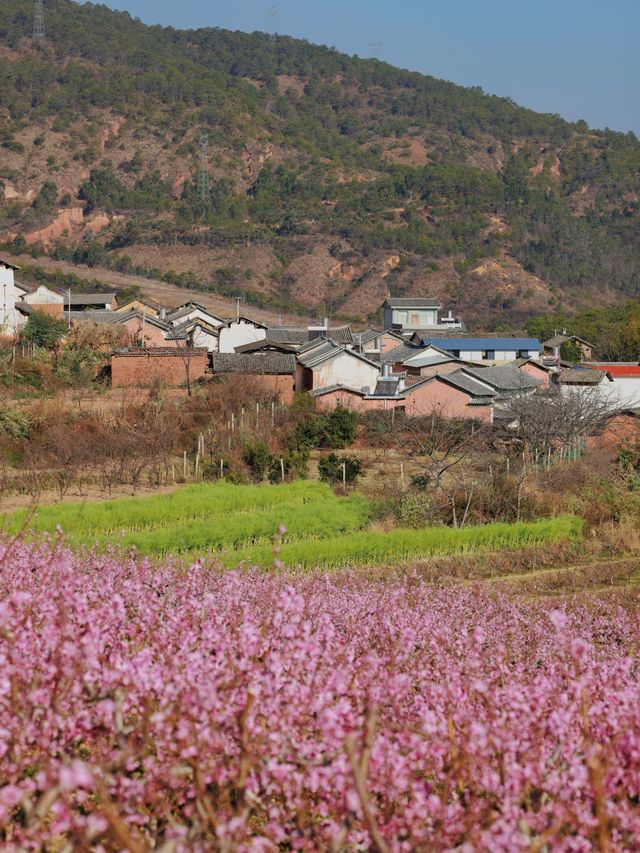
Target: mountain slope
(333, 180)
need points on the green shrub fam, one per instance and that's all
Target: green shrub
(331, 469)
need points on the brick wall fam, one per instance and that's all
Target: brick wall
(167, 364)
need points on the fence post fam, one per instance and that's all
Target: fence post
(344, 475)
(282, 468)
(221, 468)
(184, 465)
(402, 476)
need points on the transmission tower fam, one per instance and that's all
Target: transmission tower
(203, 171)
(375, 48)
(39, 33)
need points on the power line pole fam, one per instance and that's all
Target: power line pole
(39, 33)
(203, 171)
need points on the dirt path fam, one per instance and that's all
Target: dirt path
(168, 294)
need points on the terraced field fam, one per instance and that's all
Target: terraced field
(236, 523)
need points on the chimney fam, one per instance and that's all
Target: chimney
(386, 370)
(163, 313)
(326, 323)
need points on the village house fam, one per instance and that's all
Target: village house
(408, 315)
(454, 395)
(238, 332)
(75, 302)
(624, 385)
(325, 363)
(192, 311)
(487, 349)
(553, 347)
(272, 371)
(144, 305)
(41, 298)
(374, 342)
(169, 365)
(8, 298)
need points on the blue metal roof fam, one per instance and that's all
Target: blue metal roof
(499, 344)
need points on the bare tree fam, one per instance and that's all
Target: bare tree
(442, 448)
(556, 418)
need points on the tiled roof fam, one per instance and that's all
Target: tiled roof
(399, 353)
(155, 352)
(89, 298)
(259, 363)
(325, 350)
(558, 340)
(580, 376)
(102, 317)
(286, 335)
(187, 309)
(135, 314)
(392, 302)
(8, 264)
(459, 380)
(328, 389)
(339, 334)
(366, 336)
(504, 377)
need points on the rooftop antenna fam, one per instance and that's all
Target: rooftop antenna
(39, 33)
(203, 172)
(375, 47)
(272, 13)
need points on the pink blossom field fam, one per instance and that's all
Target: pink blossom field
(154, 708)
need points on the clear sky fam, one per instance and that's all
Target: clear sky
(578, 58)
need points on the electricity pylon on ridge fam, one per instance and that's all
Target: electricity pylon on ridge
(39, 33)
(203, 171)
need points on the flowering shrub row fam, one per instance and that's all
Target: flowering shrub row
(146, 707)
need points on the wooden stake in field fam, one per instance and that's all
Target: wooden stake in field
(221, 469)
(184, 465)
(195, 473)
(257, 414)
(173, 474)
(344, 475)
(402, 476)
(233, 422)
(282, 468)
(273, 413)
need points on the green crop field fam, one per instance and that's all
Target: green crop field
(238, 523)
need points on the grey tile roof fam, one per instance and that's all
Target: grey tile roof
(392, 302)
(580, 376)
(339, 334)
(286, 335)
(366, 336)
(7, 263)
(460, 380)
(187, 309)
(558, 340)
(89, 298)
(504, 377)
(102, 317)
(399, 353)
(317, 352)
(259, 363)
(328, 389)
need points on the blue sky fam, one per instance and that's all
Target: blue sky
(579, 58)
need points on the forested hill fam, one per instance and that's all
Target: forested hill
(333, 180)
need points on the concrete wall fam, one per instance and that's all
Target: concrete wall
(8, 294)
(444, 400)
(140, 368)
(237, 334)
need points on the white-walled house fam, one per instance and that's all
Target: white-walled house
(327, 363)
(238, 332)
(8, 295)
(191, 311)
(624, 385)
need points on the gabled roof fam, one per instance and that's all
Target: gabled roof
(339, 334)
(89, 298)
(104, 318)
(504, 377)
(287, 335)
(184, 310)
(265, 346)
(328, 389)
(393, 302)
(139, 300)
(400, 353)
(25, 288)
(558, 340)
(366, 336)
(484, 343)
(325, 351)
(228, 323)
(5, 263)
(272, 363)
(520, 362)
(459, 380)
(123, 317)
(582, 376)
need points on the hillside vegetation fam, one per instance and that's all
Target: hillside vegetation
(333, 180)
